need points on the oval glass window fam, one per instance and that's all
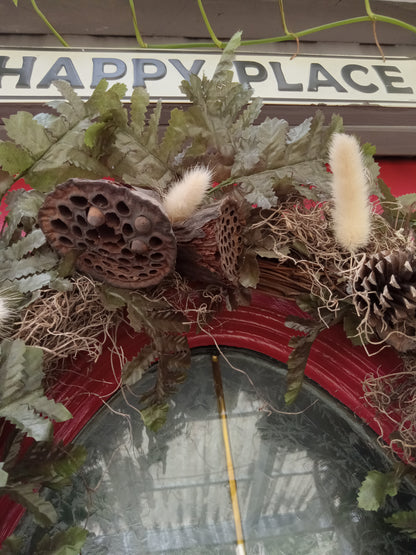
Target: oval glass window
(233, 470)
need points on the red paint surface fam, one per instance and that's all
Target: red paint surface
(399, 174)
(334, 363)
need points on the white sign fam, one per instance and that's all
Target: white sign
(27, 75)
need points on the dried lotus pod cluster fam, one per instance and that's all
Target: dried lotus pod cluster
(210, 243)
(385, 292)
(122, 235)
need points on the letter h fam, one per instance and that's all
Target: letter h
(24, 72)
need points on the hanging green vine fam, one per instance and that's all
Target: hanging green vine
(370, 16)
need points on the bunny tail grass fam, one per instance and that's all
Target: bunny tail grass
(352, 211)
(184, 197)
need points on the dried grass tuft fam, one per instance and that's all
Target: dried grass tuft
(63, 324)
(393, 396)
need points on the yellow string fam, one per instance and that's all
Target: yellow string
(228, 455)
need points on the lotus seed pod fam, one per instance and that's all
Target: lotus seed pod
(121, 234)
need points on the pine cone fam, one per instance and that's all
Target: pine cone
(385, 292)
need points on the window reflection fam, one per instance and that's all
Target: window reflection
(297, 473)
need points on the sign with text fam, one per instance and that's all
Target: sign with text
(28, 75)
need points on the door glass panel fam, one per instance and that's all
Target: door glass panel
(262, 478)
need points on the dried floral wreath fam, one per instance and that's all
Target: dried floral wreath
(166, 229)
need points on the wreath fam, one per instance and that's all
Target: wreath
(165, 225)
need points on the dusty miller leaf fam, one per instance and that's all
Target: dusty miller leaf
(296, 133)
(6, 181)
(247, 117)
(258, 191)
(375, 488)
(54, 411)
(38, 281)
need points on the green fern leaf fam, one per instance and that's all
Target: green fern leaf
(25, 131)
(150, 135)
(22, 205)
(66, 542)
(133, 370)
(68, 157)
(72, 107)
(139, 105)
(43, 511)
(37, 263)
(36, 282)
(298, 359)
(13, 159)
(54, 126)
(93, 132)
(175, 135)
(24, 418)
(135, 164)
(33, 240)
(22, 401)
(405, 521)
(51, 409)
(106, 102)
